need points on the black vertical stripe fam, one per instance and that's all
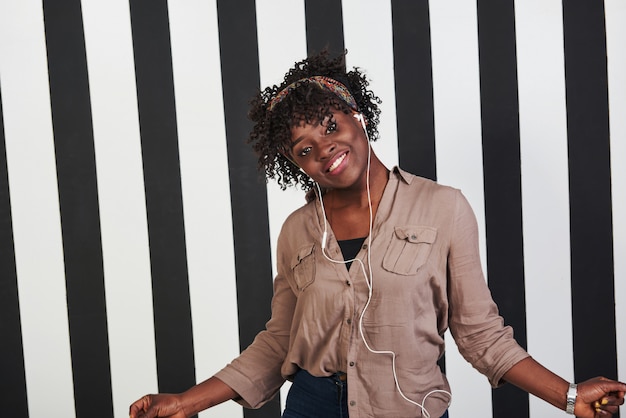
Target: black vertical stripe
(414, 87)
(324, 26)
(161, 166)
(502, 179)
(13, 376)
(593, 291)
(78, 200)
(253, 268)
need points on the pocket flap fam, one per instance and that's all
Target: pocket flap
(416, 234)
(301, 254)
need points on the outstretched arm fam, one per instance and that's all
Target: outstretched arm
(598, 397)
(183, 405)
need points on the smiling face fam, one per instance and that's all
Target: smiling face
(333, 153)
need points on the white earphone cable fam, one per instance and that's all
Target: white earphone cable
(369, 278)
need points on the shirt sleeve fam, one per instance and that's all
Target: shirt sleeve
(475, 323)
(255, 375)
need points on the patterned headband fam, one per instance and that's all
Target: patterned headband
(325, 83)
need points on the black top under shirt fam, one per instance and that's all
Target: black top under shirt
(350, 248)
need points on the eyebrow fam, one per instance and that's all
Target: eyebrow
(297, 141)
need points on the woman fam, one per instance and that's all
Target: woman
(371, 273)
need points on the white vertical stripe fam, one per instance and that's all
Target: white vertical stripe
(372, 52)
(282, 42)
(456, 91)
(35, 209)
(205, 187)
(616, 53)
(543, 129)
(125, 247)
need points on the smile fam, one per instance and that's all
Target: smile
(336, 163)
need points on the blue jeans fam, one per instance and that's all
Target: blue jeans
(315, 397)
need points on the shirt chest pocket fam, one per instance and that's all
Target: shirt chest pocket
(303, 266)
(409, 249)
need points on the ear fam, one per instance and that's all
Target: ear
(360, 118)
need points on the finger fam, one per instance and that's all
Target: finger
(135, 408)
(619, 396)
(609, 411)
(138, 408)
(607, 405)
(604, 411)
(610, 386)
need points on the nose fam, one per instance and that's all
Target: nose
(326, 149)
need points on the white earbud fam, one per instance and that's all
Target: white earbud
(360, 118)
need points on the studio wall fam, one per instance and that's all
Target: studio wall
(137, 238)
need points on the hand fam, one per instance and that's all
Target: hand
(197, 398)
(162, 405)
(599, 397)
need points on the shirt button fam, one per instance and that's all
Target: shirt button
(352, 403)
(349, 321)
(351, 364)
(365, 246)
(348, 283)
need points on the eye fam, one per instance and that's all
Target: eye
(304, 152)
(331, 127)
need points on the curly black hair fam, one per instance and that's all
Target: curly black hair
(306, 102)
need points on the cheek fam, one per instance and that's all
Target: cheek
(309, 170)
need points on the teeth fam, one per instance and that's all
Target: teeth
(336, 163)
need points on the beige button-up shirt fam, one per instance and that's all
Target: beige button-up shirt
(426, 277)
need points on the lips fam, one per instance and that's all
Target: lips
(336, 162)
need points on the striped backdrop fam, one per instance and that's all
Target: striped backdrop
(137, 241)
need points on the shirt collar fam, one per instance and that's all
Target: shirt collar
(400, 174)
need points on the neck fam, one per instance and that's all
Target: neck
(348, 210)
